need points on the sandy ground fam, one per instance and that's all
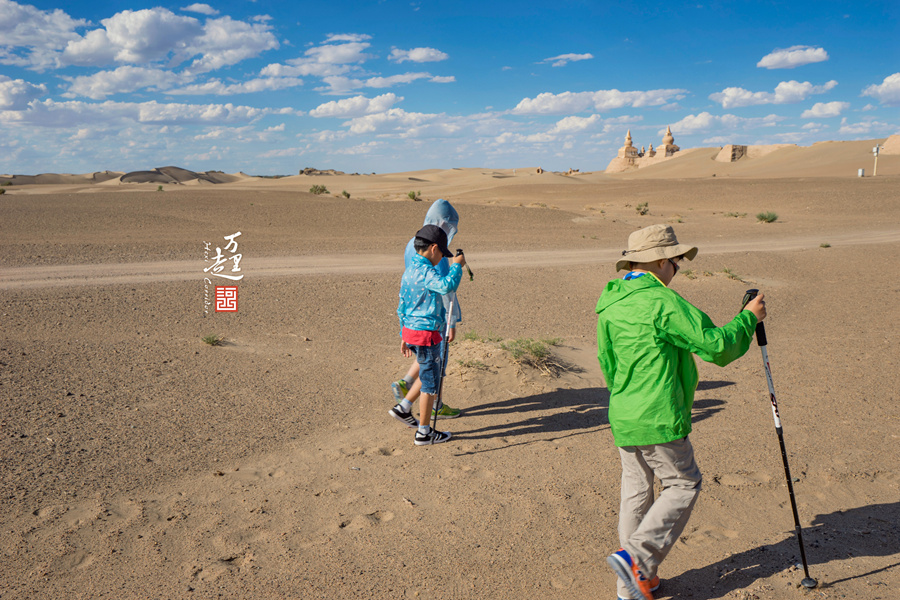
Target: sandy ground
(138, 462)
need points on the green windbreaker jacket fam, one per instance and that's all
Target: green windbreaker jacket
(646, 334)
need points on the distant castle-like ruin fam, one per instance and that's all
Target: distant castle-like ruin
(630, 157)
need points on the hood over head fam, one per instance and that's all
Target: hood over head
(444, 216)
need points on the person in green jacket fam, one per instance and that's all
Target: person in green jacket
(646, 334)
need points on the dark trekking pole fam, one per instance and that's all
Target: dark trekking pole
(438, 403)
(808, 582)
(471, 276)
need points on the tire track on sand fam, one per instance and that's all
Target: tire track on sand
(17, 278)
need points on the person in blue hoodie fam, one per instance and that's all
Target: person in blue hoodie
(444, 216)
(421, 312)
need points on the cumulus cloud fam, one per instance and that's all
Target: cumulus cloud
(574, 102)
(159, 35)
(823, 110)
(887, 92)
(564, 59)
(443, 79)
(355, 107)
(227, 42)
(383, 82)
(864, 128)
(218, 88)
(140, 36)
(575, 124)
(328, 60)
(785, 92)
(795, 56)
(122, 80)
(73, 114)
(15, 94)
(705, 122)
(203, 9)
(417, 55)
(32, 37)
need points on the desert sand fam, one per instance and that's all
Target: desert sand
(140, 462)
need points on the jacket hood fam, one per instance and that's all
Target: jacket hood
(619, 289)
(444, 216)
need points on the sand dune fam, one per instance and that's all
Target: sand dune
(139, 462)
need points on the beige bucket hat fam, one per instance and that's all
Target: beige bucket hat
(654, 243)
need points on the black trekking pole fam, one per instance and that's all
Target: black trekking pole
(438, 402)
(471, 276)
(808, 582)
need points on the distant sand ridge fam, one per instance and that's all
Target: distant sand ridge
(668, 161)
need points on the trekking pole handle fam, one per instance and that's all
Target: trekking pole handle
(459, 252)
(760, 328)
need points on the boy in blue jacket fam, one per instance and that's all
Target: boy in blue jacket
(421, 312)
(444, 216)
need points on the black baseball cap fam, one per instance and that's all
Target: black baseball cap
(435, 235)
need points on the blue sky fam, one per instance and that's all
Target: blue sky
(270, 87)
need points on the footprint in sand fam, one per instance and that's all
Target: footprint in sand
(365, 521)
(708, 535)
(384, 451)
(78, 559)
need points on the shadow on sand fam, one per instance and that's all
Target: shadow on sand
(867, 531)
(575, 412)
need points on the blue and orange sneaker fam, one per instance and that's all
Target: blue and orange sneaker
(628, 571)
(654, 585)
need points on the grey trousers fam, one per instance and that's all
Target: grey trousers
(648, 529)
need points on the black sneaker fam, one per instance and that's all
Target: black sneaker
(404, 417)
(432, 437)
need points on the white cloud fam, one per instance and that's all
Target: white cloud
(442, 79)
(365, 148)
(564, 59)
(31, 37)
(347, 37)
(216, 87)
(823, 110)
(73, 114)
(15, 94)
(705, 121)
(355, 107)
(383, 82)
(795, 56)
(129, 36)
(864, 128)
(575, 124)
(155, 35)
(785, 92)
(329, 60)
(574, 102)
(815, 126)
(203, 9)
(418, 55)
(887, 92)
(227, 42)
(868, 107)
(122, 80)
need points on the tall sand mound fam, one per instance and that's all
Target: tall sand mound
(823, 159)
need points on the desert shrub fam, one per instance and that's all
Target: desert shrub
(159, 188)
(2, 191)
(535, 353)
(473, 336)
(736, 215)
(415, 196)
(766, 217)
(345, 194)
(213, 339)
(824, 245)
(318, 189)
(643, 208)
